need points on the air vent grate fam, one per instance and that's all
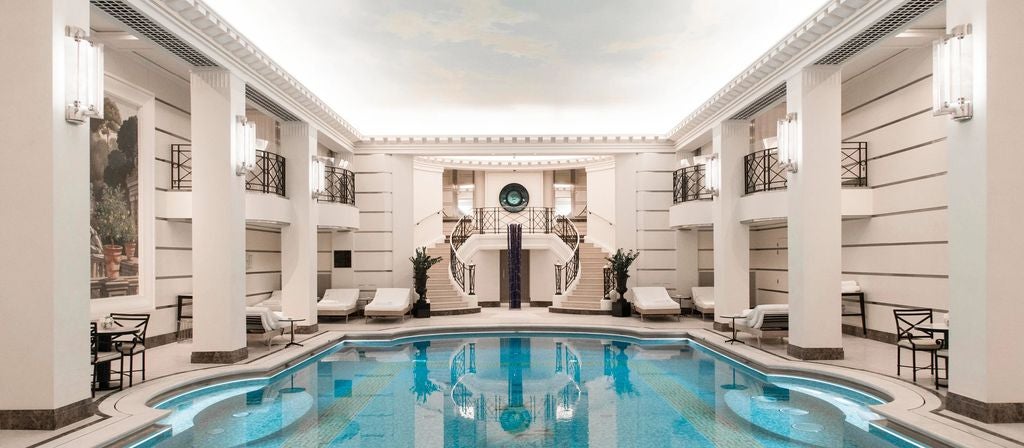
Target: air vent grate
(152, 31)
(884, 27)
(255, 96)
(761, 103)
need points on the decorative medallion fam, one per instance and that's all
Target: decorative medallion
(513, 198)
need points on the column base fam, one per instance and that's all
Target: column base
(985, 412)
(721, 326)
(815, 353)
(45, 419)
(307, 329)
(230, 357)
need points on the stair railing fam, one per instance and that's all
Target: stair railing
(463, 273)
(569, 269)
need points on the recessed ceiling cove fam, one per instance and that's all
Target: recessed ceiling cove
(500, 67)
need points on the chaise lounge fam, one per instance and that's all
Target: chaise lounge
(703, 299)
(338, 302)
(765, 321)
(263, 321)
(654, 301)
(389, 303)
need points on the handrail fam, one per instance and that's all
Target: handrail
(763, 172)
(610, 223)
(688, 185)
(340, 186)
(570, 235)
(269, 174)
(431, 215)
(497, 219)
(463, 273)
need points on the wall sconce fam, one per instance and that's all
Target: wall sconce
(684, 163)
(247, 145)
(952, 84)
(319, 175)
(85, 96)
(788, 142)
(712, 174)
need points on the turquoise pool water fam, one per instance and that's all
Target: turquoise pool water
(523, 390)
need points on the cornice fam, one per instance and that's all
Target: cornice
(196, 23)
(825, 30)
(515, 144)
(568, 162)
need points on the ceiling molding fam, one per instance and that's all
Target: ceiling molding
(514, 144)
(828, 29)
(569, 162)
(197, 24)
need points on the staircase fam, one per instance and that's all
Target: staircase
(444, 298)
(590, 289)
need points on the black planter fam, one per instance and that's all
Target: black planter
(620, 308)
(421, 308)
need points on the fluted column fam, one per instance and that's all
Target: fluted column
(815, 217)
(730, 141)
(218, 219)
(299, 240)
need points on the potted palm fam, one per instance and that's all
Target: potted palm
(619, 264)
(421, 263)
(110, 216)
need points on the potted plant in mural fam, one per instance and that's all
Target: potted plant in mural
(619, 264)
(111, 216)
(421, 263)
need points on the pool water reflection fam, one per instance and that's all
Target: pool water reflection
(524, 390)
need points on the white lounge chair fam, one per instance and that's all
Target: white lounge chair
(338, 302)
(389, 302)
(703, 299)
(654, 301)
(263, 321)
(765, 321)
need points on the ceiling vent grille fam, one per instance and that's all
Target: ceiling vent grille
(268, 104)
(761, 103)
(152, 31)
(887, 25)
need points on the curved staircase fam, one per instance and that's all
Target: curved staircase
(590, 290)
(444, 298)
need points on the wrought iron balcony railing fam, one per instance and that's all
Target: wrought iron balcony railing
(267, 177)
(497, 219)
(688, 185)
(763, 172)
(340, 186)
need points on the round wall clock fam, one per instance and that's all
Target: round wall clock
(513, 198)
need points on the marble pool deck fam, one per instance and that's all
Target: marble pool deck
(867, 363)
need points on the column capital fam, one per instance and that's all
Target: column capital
(297, 129)
(215, 77)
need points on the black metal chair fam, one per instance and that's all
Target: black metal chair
(97, 358)
(909, 337)
(133, 344)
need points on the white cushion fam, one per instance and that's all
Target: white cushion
(653, 298)
(341, 297)
(389, 299)
(754, 318)
(703, 296)
(849, 286)
(268, 317)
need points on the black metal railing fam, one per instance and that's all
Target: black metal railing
(339, 186)
(609, 282)
(763, 172)
(854, 161)
(567, 232)
(688, 185)
(181, 167)
(497, 219)
(268, 175)
(463, 273)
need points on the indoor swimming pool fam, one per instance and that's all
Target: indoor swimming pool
(523, 389)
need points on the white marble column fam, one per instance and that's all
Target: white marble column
(45, 239)
(730, 141)
(815, 216)
(686, 261)
(986, 206)
(218, 219)
(299, 239)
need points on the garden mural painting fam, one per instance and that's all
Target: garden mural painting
(114, 204)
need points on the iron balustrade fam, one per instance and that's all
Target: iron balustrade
(339, 186)
(567, 232)
(688, 185)
(763, 172)
(463, 273)
(268, 175)
(854, 164)
(497, 219)
(181, 167)
(609, 282)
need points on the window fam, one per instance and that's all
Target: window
(464, 199)
(563, 199)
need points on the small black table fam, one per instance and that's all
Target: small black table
(105, 343)
(733, 339)
(291, 342)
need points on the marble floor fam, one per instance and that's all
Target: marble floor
(860, 353)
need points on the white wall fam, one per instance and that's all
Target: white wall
(488, 288)
(542, 274)
(601, 203)
(429, 199)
